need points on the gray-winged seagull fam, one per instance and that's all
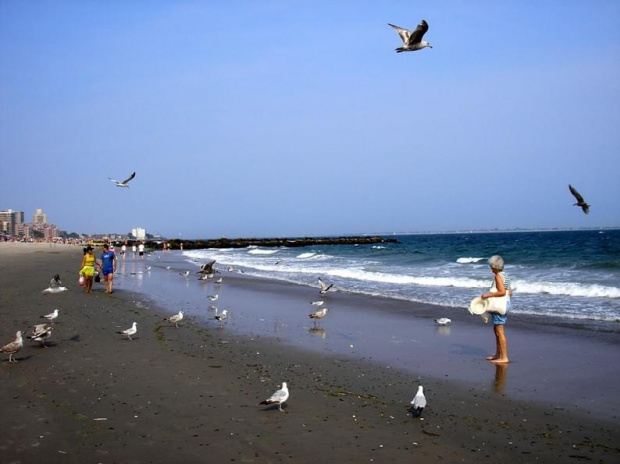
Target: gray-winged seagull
(418, 403)
(13, 347)
(412, 41)
(124, 183)
(279, 397)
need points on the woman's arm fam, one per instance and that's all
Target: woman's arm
(499, 285)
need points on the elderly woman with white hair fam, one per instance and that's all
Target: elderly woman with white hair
(501, 287)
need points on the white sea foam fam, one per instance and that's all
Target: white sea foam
(468, 260)
(569, 289)
(257, 251)
(306, 255)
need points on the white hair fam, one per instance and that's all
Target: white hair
(496, 262)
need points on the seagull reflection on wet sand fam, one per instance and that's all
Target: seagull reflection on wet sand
(318, 331)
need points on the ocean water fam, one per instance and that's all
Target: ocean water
(571, 274)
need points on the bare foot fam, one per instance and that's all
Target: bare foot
(500, 361)
(491, 358)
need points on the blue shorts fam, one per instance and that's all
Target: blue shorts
(498, 319)
(107, 270)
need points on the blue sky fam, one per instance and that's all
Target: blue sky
(282, 118)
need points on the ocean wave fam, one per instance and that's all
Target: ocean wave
(468, 260)
(379, 247)
(257, 251)
(359, 274)
(569, 289)
(306, 255)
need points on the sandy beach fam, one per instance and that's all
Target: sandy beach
(191, 394)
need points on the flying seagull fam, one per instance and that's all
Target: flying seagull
(124, 183)
(319, 314)
(13, 347)
(130, 331)
(176, 318)
(206, 268)
(412, 41)
(55, 282)
(51, 316)
(41, 332)
(443, 321)
(325, 288)
(54, 286)
(580, 202)
(418, 403)
(278, 397)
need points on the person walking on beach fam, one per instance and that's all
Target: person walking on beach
(502, 285)
(87, 269)
(141, 250)
(134, 249)
(108, 267)
(124, 250)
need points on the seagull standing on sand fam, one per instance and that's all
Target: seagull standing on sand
(418, 403)
(443, 321)
(218, 281)
(221, 316)
(580, 201)
(213, 297)
(130, 331)
(320, 314)
(13, 347)
(325, 288)
(412, 41)
(41, 332)
(176, 318)
(184, 274)
(124, 183)
(51, 316)
(278, 397)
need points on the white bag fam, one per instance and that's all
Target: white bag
(497, 304)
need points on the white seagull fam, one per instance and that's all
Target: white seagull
(124, 183)
(184, 274)
(320, 314)
(130, 331)
(278, 397)
(443, 321)
(317, 303)
(418, 403)
(324, 287)
(41, 332)
(51, 316)
(412, 41)
(13, 347)
(221, 316)
(213, 297)
(176, 318)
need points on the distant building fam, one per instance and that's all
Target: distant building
(39, 218)
(139, 233)
(10, 221)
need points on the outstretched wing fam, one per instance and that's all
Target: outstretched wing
(114, 180)
(129, 178)
(403, 33)
(416, 36)
(575, 193)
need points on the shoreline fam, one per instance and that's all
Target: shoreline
(191, 394)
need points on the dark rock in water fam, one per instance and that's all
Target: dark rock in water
(271, 242)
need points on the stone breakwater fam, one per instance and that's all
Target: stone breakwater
(271, 242)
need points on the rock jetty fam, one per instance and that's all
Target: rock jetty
(270, 242)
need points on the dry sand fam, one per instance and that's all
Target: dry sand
(191, 394)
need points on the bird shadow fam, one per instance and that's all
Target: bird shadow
(271, 407)
(40, 345)
(75, 338)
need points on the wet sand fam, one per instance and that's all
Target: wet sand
(191, 394)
